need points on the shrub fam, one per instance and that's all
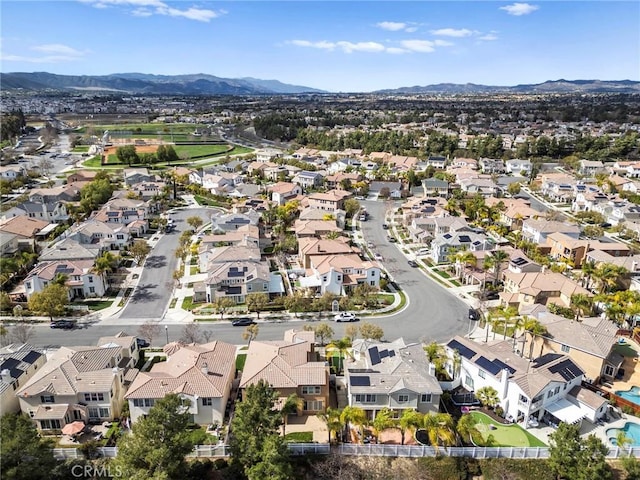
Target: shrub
(445, 468)
(499, 468)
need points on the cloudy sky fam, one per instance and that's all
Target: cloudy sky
(348, 46)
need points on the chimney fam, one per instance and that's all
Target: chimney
(5, 375)
(432, 369)
(205, 368)
(504, 383)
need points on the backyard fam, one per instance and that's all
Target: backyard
(497, 435)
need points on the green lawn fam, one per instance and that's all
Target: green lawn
(504, 435)
(96, 305)
(187, 303)
(299, 437)
(240, 359)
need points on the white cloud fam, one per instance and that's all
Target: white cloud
(350, 47)
(50, 53)
(423, 46)
(519, 9)
(320, 45)
(146, 8)
(488, 37)
(392, 26)
(396, 50)
(411, 29)
(443, 43)
(57, 49)
(452, 32)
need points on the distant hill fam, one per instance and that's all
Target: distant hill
(550, 86)
(197, 84)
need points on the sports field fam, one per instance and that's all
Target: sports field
(503, 435)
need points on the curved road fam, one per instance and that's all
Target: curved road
(432, 313)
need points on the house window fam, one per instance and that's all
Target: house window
(368, 398)
(92, 289)
(207, 401)
(90, 279)
(50, 424)
(550, 394)
(403, 398)
(46, 399)
(104, 412)
(94, 397)
(313, 405)
(557, 390)
(565, 348)
(425, 398)
(373, 283)
(481, 374)
(608, 371)
(523, 399)
(143, 402)
(468, 381)
(94, 412)
(311, 390)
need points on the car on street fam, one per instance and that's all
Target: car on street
(474, 314)
(377, 256)
(412, 263)
(370, 244)
(385, 226)
(142, 343)
(392, 239)
(63, 324)
(242, 322)
(345, 317)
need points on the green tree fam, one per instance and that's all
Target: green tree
(370, 331)
(274, 463)
(291, 406)
(25, 455)
(257, 301)
(564, 445)
(323, 332)
(158, 442)
(351, 206)
(488, 396)
(331, 418)
(409, 420)
(222, 304)
(383, 421)
(440, 429)
(343, 348)
(466, 427)
(251, 332)
(139, 250)
(104, 264)
(495, 261)
(255, 426)
(354, 416)
(51, 300)
(581, 304)
(127, 154)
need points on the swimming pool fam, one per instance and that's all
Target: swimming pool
(633, 394)
(631, 430)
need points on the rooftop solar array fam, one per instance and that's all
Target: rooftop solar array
(546, 358)
(360, 381)
(392, 353)
(567, 369)
(466, 352)
(464, 238)
(374, 355)
(487, 365)
(519, 261)
(503, 365)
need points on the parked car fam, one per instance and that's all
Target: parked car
(412, 263)
(392, 239)
(345, 317)
(64, 324)
(377, 256)
(489, 295)
(474, 314)
(385, 226)
(142, 343)
(242, 322)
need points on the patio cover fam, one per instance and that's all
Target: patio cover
(565, 411)
(56, 412)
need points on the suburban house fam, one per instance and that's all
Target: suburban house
(589, 343)
(48, 212)
(137, 175)
(316, 228)
(310, 247)
(109, 236)
(307, 179)
(18, 363)
(339, 274)
(527, 288)
(491, 165)
(201, 374)
(330, 201)
(26, 230)
(588, 168)
(445, 244)
(391, 375)
(81, 383)
(80, 278)
(518, 167)
(433, 187)
(221, 222)
(436, 162)
(343, 164)
(335, 180)
(559, 187)
(537, 230)
(62, 193)
(247, 234)
(264, 155)
(123, 211)
(282, 192)
(547, 389)
(290, 366)
(12, 172)
(564, 247)
(516, 212)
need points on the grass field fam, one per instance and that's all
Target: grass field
(150, 129)
(504, 435)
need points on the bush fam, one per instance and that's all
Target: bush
(445, 468)
(500, 468)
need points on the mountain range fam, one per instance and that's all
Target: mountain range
(203, 84)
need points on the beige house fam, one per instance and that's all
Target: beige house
(527, 288)
(330, 201)
(315, 228)
(81, 383)
(564, 247)
(201, 374)
(290, 366)
(309, 247)
(589, 343)
(18, 363)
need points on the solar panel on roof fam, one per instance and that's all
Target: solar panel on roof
(464, 238)
(466, 352)
(447, 236)
(503, 365)
(31, 357)
(15, 373)
(547, 358)
(567, 369)
(487, 365)
(384, 353)
(360, 381)
(9, 363)
(519, 261)
(374, 355)
(392, 353)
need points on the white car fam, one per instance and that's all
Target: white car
(377, 256)
(345, 317)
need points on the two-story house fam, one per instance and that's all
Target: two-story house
(308, 179)
(393, 375)
(200, 374)
(331, 201)
(432, 187)
(81, 384)
(517, 166)
(537, 230)
(527, 288)
(282, 192)
(80, 278)
(447, 243)
(18, 363)
(290, 366)
(564, 247)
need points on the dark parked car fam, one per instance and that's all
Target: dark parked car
(412, 263)
(242, 322)
(142, 343)
(474, 314)
(490, 295)
(392, 239)
(64, 324)
(385, 226)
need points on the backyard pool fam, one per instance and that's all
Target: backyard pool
(631, 430)
(632, 395)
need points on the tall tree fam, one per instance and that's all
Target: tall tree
(25, 455)
(139, 250)
(255, 421)
(495, 261)
(331, 418)
(251, 332)
(488, 396)
(149, 330)
(290, 406)
(343, 347)
(573, 457)
(50, 301)
(581, 305)
(370, 331)
(440, 429)
(409, 420)
(354, 416)
(257, 302)
(535, 329)
(158, 444)
(195, 222)
(222, 304)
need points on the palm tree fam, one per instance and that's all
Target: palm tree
(439, 428)
(622, 440)
(343, 347)
(495, 261)
(534, 328)
(588, 269)
(332, 419)
(465, 258)
(608, 275)
(488, 396)
(291, 405)
(466, 426)
(384, 420)
(408, 420)
(104, 264)
(580, 304)
(506, 313)
(356, 416)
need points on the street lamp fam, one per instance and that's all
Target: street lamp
(166, 331)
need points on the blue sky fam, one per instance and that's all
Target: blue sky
(336, 46)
